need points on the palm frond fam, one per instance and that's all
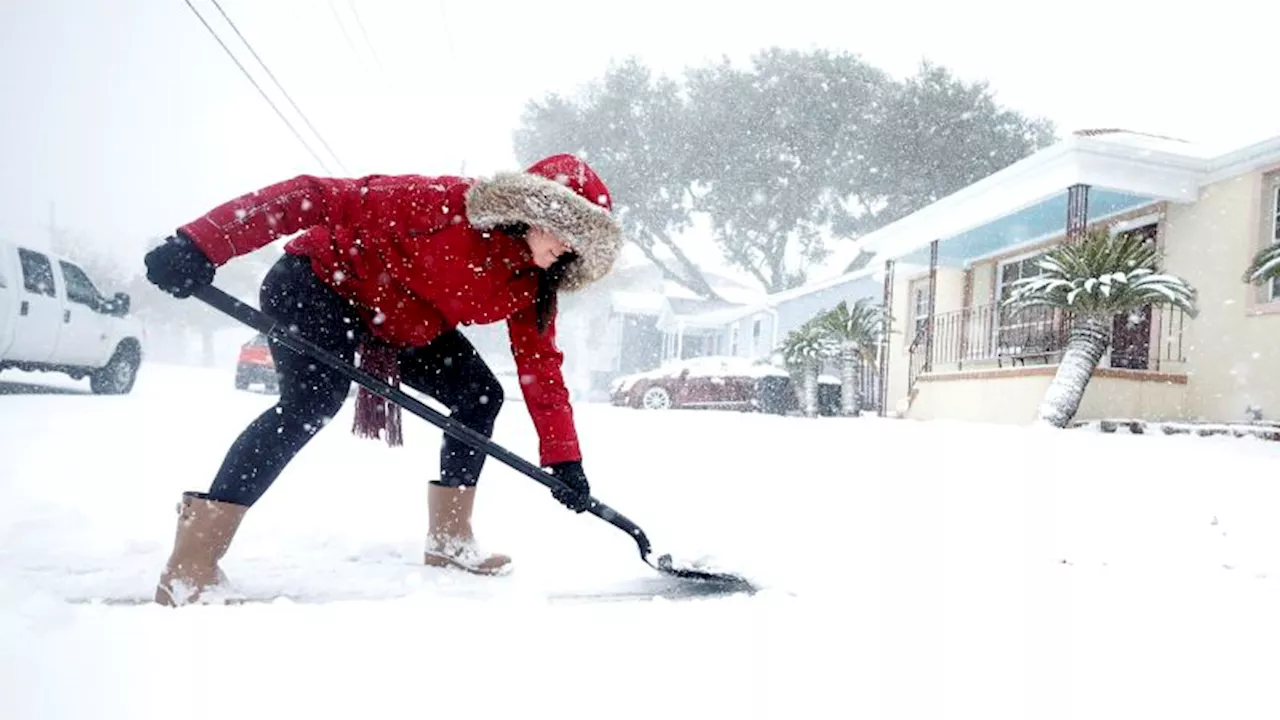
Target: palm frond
(1102, 276)
(1265, 265)
(807, 343)
(862, 324)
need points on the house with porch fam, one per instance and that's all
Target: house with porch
(957, 353)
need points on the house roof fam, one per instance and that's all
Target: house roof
(1116, 160)
(721, 316)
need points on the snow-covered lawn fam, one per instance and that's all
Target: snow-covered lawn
(913, 570)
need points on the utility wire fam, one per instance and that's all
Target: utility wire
(365, 34)
(271, 75)
(259, 87)
(350, 43)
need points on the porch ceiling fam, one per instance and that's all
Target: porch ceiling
(1041, 220)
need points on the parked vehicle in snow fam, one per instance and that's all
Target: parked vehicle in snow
(54, 318)
(717, 381)
(254, 366)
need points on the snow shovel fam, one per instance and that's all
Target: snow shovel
(709, 581)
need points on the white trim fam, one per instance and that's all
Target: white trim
(1017, 259)
(1138, 222)
(1243, 160)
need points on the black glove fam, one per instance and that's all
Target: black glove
(178, 267)
(579, 493)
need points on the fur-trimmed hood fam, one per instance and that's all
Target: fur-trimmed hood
(560, 194)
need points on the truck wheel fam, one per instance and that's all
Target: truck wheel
(117, 376)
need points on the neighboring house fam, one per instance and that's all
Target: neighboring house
(957, 354)
(755, 330)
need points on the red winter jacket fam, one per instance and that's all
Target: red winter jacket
(417, 256)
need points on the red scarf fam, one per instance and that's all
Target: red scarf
(373, 412)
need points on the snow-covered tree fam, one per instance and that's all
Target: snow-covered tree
(803, 350)
(1093, 280)
(856, 330)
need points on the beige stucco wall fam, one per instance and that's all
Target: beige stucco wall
(1233, 347)
(1013, 396)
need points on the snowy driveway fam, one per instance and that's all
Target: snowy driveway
(914, 570)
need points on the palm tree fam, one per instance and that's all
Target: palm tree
(803, 351)
(856, 330)
(1092, 281)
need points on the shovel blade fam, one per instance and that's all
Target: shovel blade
(706, 580)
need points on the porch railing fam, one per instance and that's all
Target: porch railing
(990, 333)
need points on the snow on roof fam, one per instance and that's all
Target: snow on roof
(1147, 142)
(1116, 160)
(636, 303)
(727, 315)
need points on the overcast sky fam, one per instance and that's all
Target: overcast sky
(129, 116)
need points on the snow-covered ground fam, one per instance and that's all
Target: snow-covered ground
(937, 570)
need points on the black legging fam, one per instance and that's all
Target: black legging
(448, 369)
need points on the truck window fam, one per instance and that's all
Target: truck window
(80, 288)
(37, 272)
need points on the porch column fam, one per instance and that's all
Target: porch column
(884, 339)
(933, 306)
(1077, 211)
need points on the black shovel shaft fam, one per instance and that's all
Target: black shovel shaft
(264, 324)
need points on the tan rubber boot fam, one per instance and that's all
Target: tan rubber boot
(450, 542)
(205, 530)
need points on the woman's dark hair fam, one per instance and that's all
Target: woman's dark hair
(549, 280)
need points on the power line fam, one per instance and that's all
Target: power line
(266, 97)
(271, 75)
(343, 27)
(360, 24)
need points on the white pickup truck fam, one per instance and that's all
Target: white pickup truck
(53, 318)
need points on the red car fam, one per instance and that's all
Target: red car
(725, 382)
(255, 366)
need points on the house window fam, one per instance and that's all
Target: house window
(1028, 330)
(733, 339)
(920, 309)
(1274, 235)
(755, 336)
